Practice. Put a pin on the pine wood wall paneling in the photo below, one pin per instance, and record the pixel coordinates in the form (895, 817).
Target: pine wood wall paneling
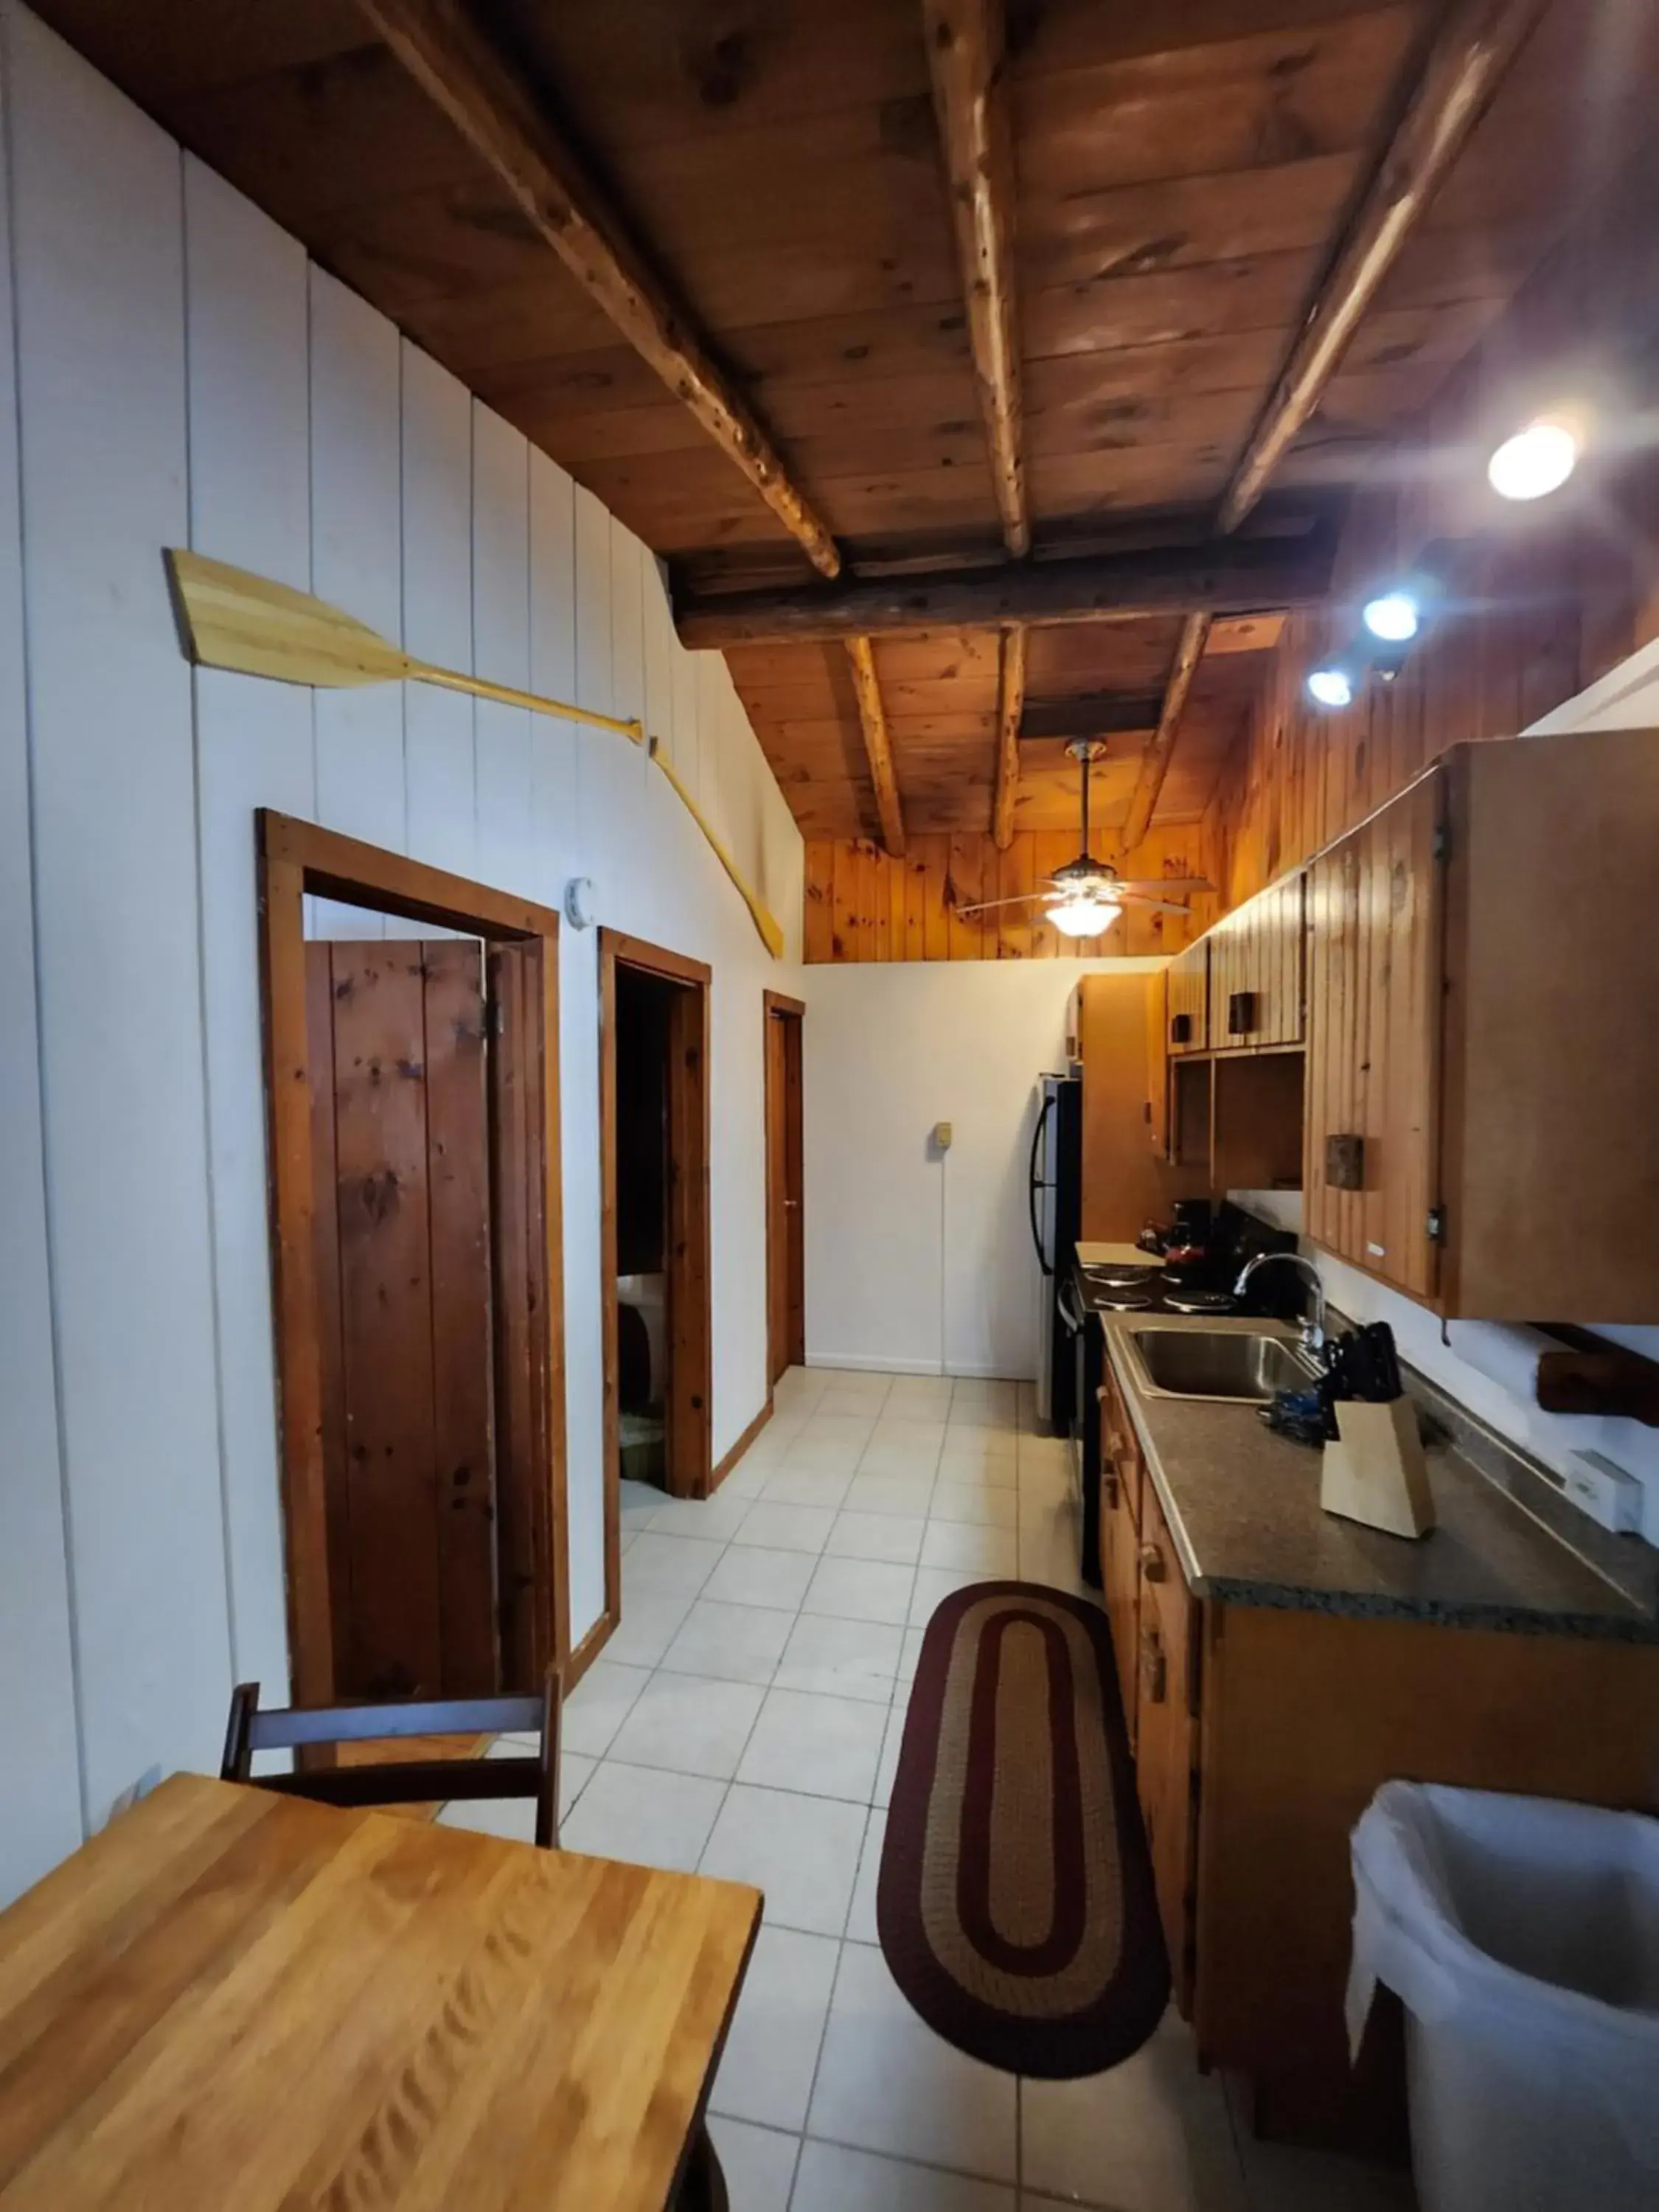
(863, 905)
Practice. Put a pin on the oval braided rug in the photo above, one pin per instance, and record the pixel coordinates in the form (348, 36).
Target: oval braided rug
(1015, 1904)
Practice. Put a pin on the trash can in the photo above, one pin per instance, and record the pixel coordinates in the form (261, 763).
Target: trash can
(1522, 1936)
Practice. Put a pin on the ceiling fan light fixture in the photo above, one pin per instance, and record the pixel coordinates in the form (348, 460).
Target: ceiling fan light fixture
(1084, 917)
(1332, 687)
(1537, 460)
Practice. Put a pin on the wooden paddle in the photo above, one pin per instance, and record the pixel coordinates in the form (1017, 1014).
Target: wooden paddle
(765, 919)
(231, 618)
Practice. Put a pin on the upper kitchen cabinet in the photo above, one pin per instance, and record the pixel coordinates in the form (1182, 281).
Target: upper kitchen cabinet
(1374, 933)
(1255, 983)
(1483, 1059)
(1187, 998)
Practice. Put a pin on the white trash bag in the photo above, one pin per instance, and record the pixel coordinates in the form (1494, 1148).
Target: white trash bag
(1522, 1935)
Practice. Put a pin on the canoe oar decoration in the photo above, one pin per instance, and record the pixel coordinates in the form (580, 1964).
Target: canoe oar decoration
(230, 618)
(765, 919)
(233, 619)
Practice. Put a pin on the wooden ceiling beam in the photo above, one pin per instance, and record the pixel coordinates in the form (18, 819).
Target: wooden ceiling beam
(965, 56)
(877, 744)
(1091, 714)
(1461, 69)
(497, 112)
(1235, 575)
(1010, 707)
(1155, 761)
(1458, 72)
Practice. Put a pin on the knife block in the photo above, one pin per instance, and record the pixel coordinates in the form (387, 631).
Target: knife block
(1375, 1471)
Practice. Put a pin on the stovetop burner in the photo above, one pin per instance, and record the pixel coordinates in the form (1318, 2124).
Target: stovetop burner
(1152, 1289)
(1185, 1299)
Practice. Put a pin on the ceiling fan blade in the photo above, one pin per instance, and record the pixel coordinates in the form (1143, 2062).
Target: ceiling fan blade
(1157, 905)
(1165, 884)
(986, 906)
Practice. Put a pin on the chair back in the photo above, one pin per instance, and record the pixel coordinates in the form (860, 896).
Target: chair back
(404, 1782)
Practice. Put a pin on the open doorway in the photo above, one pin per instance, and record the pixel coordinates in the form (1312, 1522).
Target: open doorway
(414, 1117)
(655, 1138)
(786, 1221)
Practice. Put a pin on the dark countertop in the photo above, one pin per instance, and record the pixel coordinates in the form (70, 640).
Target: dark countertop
(1242, 1506)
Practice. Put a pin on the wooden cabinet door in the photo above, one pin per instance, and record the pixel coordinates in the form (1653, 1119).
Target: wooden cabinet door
(1187, 990)
(1375, 970)
(1256, 972)
(1120, 1541)
(1157, 1068)
(1166, 1742)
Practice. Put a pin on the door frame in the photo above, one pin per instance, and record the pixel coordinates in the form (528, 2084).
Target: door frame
(690, 1282)
(776, 1005)
(297, 858)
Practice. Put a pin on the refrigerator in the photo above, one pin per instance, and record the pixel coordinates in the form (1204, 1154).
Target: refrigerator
(1056, 1198)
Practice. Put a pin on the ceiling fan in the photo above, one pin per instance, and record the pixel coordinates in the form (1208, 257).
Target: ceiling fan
(1087, 895)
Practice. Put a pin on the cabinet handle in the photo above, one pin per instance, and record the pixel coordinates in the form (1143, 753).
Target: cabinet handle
(1241, 1013)
(1345, 1162)
(1108, 1485)
(1180, 1029)
(1151, 1563)
(1154, 1669)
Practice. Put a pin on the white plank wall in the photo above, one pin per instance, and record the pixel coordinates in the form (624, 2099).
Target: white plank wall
(98, 247)
(37, 1738)
(184, 376)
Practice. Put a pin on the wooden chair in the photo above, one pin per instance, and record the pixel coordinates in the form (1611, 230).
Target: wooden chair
(406, 1781)
(419, 1782)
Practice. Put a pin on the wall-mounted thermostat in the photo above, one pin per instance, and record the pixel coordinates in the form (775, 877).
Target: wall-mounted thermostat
(942, 1133)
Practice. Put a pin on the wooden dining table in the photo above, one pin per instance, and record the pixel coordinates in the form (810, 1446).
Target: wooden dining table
(231, 2002)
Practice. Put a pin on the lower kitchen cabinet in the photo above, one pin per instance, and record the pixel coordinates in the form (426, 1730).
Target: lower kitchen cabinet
(1166, 1745)
(1120, 1544)
(1261, 1733)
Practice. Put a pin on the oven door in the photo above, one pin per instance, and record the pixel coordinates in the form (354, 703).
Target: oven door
(1068, 1306)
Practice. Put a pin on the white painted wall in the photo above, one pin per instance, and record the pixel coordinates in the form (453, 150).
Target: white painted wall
(916, 1261)
(184, 376)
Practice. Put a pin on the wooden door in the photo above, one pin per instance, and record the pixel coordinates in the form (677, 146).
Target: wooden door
(1375, 963)
(402, 1223)
(786, 1237)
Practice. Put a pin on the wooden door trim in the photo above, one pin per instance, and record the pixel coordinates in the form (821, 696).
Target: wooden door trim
(690, 1442)
(773, 1003)
(295, 859)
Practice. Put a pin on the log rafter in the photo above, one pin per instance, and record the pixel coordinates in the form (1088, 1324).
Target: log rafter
(1456, 74)
(497, 113)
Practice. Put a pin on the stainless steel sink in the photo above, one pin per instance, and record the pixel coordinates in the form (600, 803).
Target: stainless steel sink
(1196, 1363)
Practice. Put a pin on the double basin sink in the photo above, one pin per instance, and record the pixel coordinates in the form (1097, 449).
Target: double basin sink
(1217, 1363)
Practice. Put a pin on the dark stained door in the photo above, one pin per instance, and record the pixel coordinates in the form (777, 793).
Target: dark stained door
(786, 1254)
(402, 1215)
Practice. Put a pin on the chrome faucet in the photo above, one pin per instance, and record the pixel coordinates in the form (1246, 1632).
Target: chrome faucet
(1313, 1329)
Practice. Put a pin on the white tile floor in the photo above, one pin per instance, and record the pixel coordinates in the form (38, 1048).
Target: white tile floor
(744, 1720)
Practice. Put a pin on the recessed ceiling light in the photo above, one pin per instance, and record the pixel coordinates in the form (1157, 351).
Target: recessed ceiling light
(1394, 617)
(1537, 461)
(1331, 687)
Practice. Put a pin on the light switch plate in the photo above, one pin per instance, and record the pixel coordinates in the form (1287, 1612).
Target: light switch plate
(942, 1135)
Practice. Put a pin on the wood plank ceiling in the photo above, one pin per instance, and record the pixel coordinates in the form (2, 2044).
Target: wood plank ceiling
(1180, 178)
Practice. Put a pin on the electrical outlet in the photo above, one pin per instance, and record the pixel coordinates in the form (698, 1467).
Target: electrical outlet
(942, 1135)
(1605, 1492)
